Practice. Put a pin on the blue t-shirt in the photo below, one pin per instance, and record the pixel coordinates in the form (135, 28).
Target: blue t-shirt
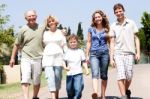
(98, 40)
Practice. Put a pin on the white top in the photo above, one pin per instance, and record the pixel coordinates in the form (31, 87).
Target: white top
(74, 58)
(124, 36)
(54, 42)
(53, 52)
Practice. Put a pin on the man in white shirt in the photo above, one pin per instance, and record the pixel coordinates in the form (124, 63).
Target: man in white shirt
(125, 49)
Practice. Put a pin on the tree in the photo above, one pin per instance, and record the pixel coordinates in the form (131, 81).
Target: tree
(145, 21)
(60, 26)
(6, 36)
(80, 31)
(80, 36)
(69, 31)
(142, 38)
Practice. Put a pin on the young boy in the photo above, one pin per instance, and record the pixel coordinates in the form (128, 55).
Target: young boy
(74, 58)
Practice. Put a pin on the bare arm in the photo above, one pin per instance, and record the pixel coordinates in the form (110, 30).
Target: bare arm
(14, 52)
(112, 47)
(137, 44)
(86, 68)
(88, 46)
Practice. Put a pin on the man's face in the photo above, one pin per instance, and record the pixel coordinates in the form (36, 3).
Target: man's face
(31, 17)
(119, 13)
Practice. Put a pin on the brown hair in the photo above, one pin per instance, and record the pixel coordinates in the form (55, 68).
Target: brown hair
(105, 22)
(72, 36)
(118, 5)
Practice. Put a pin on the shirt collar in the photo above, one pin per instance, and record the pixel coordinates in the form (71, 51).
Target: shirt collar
(126, 21)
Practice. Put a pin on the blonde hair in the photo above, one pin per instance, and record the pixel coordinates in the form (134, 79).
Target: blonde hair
(50, 17)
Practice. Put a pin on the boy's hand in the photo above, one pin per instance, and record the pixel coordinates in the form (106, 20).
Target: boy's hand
(67, 68)
(87, 72)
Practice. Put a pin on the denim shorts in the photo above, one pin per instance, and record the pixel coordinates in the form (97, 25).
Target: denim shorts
(53, 76)
(99, 61)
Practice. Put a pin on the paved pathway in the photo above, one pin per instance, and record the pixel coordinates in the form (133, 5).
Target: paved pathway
(140, 86)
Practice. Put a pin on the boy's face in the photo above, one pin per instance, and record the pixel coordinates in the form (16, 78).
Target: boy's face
(119, 13)
(73, 43)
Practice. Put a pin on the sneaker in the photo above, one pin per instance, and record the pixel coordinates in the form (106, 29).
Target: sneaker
(94, 96)
(124, 97)
(35, 98)
(128, 93)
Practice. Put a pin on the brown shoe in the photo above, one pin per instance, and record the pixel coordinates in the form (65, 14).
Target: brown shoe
(94, 96)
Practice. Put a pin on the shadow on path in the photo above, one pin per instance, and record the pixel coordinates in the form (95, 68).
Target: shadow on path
(116, 97)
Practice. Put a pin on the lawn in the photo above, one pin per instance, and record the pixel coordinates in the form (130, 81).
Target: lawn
(16, 87)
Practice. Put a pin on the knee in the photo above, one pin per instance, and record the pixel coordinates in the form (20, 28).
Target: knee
(104, 77)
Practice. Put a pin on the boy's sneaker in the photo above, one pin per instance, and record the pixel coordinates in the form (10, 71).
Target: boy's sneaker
(124, 97)
(128, 93)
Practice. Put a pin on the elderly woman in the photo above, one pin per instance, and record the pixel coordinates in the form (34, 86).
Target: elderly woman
(54, 42)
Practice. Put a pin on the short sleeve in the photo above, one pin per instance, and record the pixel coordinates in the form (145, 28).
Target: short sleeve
(135, 28)
(82, 55)
(112, 32)
(19, 39)
(90, 29)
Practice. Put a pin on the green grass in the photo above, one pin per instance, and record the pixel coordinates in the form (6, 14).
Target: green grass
(8, 89)
(16, 87)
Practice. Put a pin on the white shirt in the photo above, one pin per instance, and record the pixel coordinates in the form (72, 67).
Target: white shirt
(54, 42)
(74, 58)
(124, 36)
(53, 51)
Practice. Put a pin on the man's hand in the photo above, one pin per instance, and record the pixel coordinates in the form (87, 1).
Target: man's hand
(12, 63)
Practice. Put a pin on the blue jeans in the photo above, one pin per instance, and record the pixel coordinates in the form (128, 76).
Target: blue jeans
(74, 86)
(99, 61)
(53, 75)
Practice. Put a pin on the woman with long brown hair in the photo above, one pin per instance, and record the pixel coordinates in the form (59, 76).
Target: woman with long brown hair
(97, 51)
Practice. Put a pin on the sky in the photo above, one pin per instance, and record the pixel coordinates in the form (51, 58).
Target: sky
(71, 12)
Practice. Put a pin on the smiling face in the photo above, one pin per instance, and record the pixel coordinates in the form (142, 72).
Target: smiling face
(119, 13)
(97, 18)
(31, 17)
(52, 22)
(73, 43)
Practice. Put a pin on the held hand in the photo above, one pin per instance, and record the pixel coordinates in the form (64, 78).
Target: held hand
(12, 62)
(112, 63)
(87, 60)
(67, 68)
(87, 72)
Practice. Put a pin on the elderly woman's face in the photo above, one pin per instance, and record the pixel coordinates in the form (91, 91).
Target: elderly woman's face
(52, 23)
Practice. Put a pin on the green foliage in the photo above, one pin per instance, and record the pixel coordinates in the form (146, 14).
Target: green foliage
(69, 31)
(145, 21)
(80, 31)
(80, 36)
(6, 35)
(142, 38)
(60, 27)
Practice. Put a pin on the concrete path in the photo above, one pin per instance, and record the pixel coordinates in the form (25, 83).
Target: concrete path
(140, 86)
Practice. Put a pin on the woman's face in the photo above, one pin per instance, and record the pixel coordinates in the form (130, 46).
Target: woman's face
(52, 23)
(98, 18)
